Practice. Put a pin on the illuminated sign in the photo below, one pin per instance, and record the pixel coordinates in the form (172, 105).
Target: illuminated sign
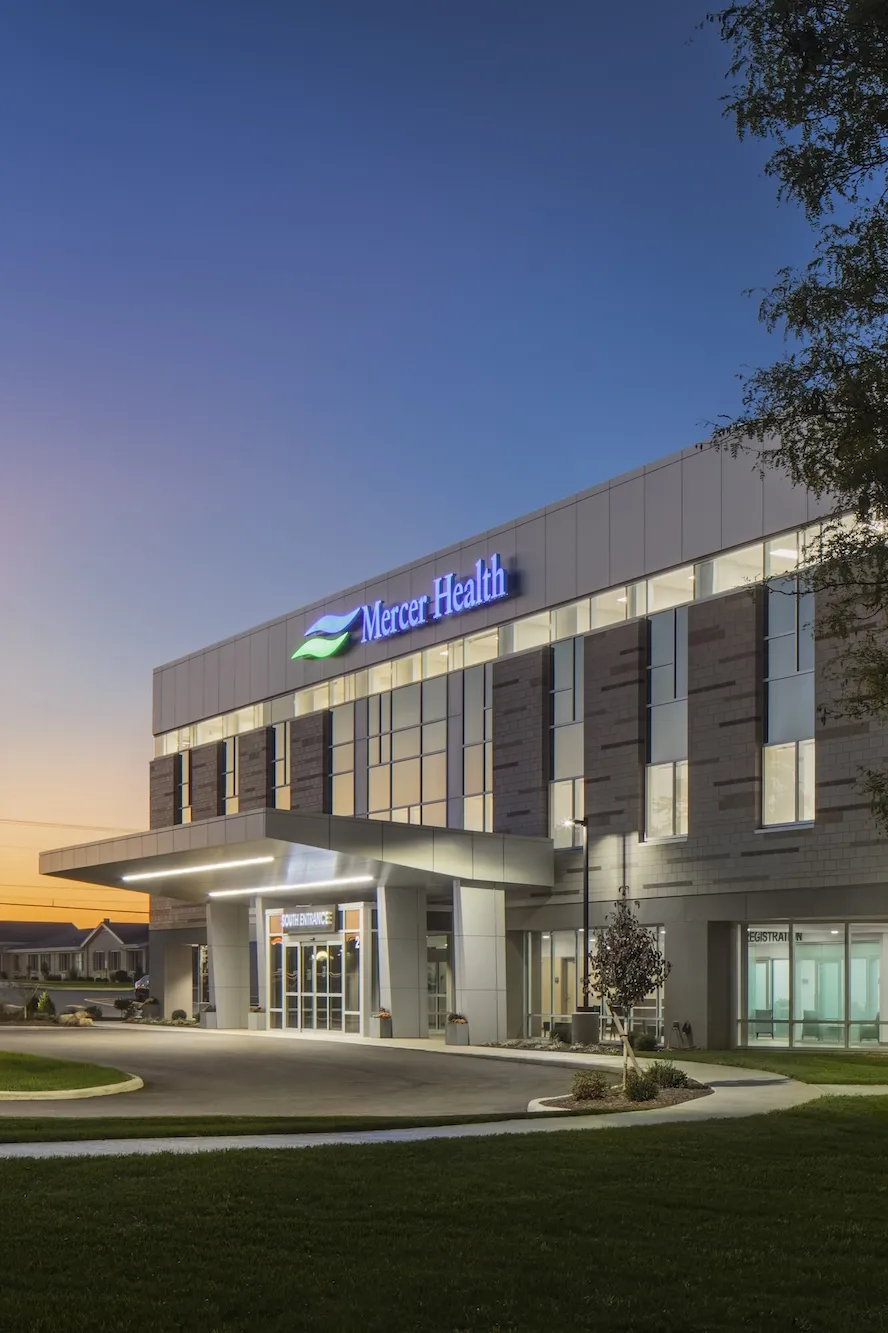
(310, 918)
(450, 596)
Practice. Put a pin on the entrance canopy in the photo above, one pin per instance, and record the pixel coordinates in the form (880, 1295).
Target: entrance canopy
(327, 856)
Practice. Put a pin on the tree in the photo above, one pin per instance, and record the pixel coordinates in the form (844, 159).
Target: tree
(811, 77)
(625, 965)
(20, 998)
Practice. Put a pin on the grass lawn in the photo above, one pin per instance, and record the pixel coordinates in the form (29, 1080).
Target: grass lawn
(35, 1073)
(769, 1224)
(806, 1066)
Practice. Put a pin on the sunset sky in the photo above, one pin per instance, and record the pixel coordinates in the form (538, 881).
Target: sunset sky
(294, 293)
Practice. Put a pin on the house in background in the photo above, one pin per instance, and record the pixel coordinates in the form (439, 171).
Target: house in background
(60, 950)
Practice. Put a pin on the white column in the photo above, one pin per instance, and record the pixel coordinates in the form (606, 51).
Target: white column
(367, 946)
(261, 953)
(479, 960)
(403, 951)
(228, 940)
(178, 960)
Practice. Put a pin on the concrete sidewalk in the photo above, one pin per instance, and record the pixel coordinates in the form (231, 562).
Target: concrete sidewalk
(757, 1093)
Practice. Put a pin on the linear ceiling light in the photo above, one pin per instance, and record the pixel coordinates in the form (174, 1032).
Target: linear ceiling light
(197, 870)
(288, 888)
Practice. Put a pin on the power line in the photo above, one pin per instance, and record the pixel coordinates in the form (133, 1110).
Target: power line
(70, 907)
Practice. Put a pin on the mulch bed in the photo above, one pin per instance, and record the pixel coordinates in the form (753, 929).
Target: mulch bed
(615, 1101)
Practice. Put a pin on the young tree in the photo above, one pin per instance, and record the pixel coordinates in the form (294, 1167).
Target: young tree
(624, 966)
(811, 77)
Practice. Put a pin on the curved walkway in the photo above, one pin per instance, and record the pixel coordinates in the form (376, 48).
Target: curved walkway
(736, 1093)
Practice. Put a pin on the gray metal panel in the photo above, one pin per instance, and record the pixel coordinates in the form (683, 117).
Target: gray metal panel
(593, 542)
(180, 688)
(531, 544)
(242, 671)
(277, 658)
(561, 554)
(211, 681)
(741, 500)
(157, 702)
(785, 505)
(196, 704)
(226, 676)
(259, 674)
(627, 531)
(701, 521)
(662, 517)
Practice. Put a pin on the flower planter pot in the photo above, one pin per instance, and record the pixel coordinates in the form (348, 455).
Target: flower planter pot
(207, 1019)
(456, 1034)
(380, 1027)
(256, 1022)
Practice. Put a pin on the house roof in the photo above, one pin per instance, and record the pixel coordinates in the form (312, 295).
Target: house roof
(40, 935)
(131, 934)
(64, 935)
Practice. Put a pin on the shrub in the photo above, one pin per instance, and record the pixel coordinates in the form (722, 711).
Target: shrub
(125, 1004)
(640, 1087)
(93, 1011)
(45, 1006)
(666, 1074)
(53, 976)
(3, 976)
(590, 1085)
(121, 977)
(179, 1016)
(642, 1041)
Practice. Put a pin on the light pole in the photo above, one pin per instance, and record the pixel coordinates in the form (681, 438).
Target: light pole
(586, 1026)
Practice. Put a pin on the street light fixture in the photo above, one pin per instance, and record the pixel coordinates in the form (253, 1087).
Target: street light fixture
(584, 1005)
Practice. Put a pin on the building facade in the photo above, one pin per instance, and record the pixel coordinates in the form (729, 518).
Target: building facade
(61, 951)
(384, 790)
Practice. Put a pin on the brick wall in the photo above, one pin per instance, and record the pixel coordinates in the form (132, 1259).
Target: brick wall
(254, 769)
(521, 703)
(206, 782)
(163, 786)
(614, 701)
(725, 707)
(310, 764)
(170, 913)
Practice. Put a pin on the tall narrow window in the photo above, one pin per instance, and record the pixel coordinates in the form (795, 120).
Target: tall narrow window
(566, 777)
(342, 759)
(788, 755)
(231, 801)
(666, 778)
(184, 794)
(478, 748)
(280, 765)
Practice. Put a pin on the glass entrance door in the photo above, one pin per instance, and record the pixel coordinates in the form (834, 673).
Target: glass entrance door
(314, 986)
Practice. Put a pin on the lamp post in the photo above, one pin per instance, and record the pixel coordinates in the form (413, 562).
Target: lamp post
(586, 1025)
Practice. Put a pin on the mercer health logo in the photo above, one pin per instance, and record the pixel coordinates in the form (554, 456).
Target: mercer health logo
(328, 636)
(450, 596)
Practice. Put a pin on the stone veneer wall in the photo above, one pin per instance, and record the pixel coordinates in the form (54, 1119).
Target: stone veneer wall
(310, 764)
(254, 770)
(163, 788)
(206, 782)
(521, 731)
(614, 678)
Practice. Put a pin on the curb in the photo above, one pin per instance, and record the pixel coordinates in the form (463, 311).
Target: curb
(132, 1083)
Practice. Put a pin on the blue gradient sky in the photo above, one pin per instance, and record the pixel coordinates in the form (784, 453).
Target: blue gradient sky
(295, 292)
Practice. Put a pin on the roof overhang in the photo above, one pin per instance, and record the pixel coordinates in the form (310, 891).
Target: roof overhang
(299, 852)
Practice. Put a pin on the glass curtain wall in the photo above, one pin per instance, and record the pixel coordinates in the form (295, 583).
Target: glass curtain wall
(788, 754)
(566, 800)
(814, 984)
(666, 779)
(553, 971)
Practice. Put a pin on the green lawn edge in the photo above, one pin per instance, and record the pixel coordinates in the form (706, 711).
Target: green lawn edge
(22, 1072)
(820, 1067)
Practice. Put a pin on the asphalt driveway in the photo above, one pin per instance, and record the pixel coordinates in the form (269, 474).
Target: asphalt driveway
(189, 1071)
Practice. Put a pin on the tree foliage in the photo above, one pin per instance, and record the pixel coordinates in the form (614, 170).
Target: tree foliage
(625, 964)
(811, 78)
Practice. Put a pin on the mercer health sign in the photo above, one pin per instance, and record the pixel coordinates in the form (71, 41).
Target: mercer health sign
(450, 596)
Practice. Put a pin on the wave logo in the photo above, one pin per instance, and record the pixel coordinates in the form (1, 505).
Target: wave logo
(327, 636)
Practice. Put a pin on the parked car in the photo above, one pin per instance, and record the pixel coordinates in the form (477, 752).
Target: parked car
(143, 988)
